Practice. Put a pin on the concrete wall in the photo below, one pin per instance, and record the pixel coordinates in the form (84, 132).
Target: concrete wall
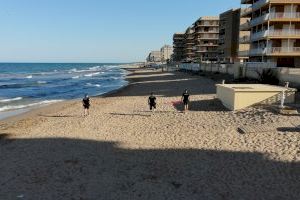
(291, 75)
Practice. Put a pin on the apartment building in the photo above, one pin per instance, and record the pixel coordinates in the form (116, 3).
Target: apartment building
(166, 52)
(275, 31)
(178, 47)
(189, 44)
(206, 38)
(154, 56)
(229, 37)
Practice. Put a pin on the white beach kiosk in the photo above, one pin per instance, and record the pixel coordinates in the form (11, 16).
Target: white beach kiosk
(240, 96)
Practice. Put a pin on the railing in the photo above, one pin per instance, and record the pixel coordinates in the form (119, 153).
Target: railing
(284, 32)
(246, 11)
(259, 35)
(259, 20)
(282, 15)
(274, 33)
(259, 4)
(208, 24)
(207, 37)
(276, 50)
(243, 53)
(258, 51)
(245, 26)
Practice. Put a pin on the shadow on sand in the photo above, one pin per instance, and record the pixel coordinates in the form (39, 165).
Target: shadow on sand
(62, 116)
(167, 84)
(82, 169)
(129, 114)
(204, 105)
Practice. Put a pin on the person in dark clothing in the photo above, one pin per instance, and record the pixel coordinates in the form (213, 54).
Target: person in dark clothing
(185, 99)
(86, 104)
(152, 102)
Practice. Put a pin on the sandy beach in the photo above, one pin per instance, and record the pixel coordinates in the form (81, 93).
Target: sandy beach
(123, 151)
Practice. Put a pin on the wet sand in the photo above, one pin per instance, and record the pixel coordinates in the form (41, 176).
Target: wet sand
(123, 151)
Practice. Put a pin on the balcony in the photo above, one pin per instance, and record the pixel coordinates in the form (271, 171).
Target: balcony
(280, 33)
(257, 52)
(245, 26)
(259, 35)
(210, 31)
(257, 5)
(243, 53)
(259, 20)
(275, 51)
(208, 24)
(284, 15)
(246, 11)
(207, 45)
(283, 51)
(285, 33)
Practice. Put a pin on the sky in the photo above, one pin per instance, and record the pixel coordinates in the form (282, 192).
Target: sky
(95, 30)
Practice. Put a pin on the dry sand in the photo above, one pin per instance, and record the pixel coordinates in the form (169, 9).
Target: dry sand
(122, 151)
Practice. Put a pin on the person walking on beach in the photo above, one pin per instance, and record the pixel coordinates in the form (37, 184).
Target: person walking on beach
(86, 104)
(152, 102)
(185, 100)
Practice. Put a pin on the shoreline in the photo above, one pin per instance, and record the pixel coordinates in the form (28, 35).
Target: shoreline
(20, 114)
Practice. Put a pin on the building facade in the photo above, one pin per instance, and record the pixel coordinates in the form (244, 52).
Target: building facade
(206, 38)
(189, 44)
(154, 56)
(229, 37)
(166, 53)
(275, 31)
(178, 46)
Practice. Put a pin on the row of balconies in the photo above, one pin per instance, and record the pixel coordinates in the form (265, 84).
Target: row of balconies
(208, 24)
(271, 51)
(207, 44)
(257, 5)
(207, 37)
(270, 16)
(280, 33)
(210, 31)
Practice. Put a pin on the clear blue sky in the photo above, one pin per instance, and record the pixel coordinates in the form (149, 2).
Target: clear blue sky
(95, 30)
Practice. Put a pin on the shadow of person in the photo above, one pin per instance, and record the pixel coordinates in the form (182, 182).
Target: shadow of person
(63, 168)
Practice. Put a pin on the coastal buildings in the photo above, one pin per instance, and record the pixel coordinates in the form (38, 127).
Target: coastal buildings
(164, 55)
(166, 52)
(275, 31)
(206, 38)
(154, 56)
(178, 47)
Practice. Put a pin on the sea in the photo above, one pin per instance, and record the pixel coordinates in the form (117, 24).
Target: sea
(27, 85)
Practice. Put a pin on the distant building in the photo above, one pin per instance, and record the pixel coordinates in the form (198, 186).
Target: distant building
(154, 56)
(166, 52)
(206, 38)
(275, 31)
(189, 44)
(178, 45)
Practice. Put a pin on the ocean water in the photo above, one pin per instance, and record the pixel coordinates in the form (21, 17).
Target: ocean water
(26, 85)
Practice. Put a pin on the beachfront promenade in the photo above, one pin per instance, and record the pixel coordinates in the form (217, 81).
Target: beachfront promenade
(123, 151)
